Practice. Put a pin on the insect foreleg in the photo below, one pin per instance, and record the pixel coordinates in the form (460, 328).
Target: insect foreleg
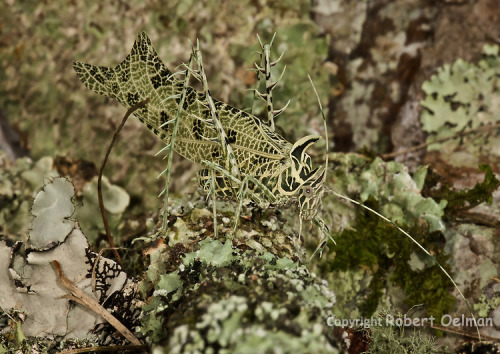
(241, 195)
(227, 152)
(212, 190)
(172, 143)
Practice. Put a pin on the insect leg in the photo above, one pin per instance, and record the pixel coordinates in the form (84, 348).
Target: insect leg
(212, 190)
(241, 195)
(266, 191)
(270, 85)
(172, 143)
(227, 152)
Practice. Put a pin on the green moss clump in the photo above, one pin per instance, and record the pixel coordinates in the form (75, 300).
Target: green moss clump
(386, 254)
(462, 200)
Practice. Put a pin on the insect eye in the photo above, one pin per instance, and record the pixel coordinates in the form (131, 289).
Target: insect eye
(307, 191)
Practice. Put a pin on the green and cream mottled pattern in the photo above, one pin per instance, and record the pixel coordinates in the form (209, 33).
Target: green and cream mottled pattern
(282, 167)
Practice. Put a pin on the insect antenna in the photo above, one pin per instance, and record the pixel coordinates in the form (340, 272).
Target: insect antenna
(317, 220)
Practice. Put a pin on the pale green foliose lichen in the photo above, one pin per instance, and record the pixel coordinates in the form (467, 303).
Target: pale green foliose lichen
(460, 97)
(115, 199)
(52, 209)
(486, 305)
(387, 183)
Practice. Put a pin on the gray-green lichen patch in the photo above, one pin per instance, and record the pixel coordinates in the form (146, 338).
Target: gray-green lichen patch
(52, 209)
(221, 297)
(115, 199)
(388, 184)
(486, 305)
(29, 283)
(462, 97)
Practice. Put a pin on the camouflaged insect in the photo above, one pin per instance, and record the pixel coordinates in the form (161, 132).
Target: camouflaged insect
(284, 168)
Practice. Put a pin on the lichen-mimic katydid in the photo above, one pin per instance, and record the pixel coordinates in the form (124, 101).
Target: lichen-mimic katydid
(281, 173)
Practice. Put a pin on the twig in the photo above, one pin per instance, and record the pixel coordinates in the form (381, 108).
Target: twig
(493, 278)
(170, 146)
(455, 136)
(103, 349)
(101, 170)
(78, 295)
(461, 332)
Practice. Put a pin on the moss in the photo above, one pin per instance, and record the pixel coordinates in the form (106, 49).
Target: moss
(385, 253)
(462, 200)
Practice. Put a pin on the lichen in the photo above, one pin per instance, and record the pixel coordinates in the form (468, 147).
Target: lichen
(370, 45)
(221, 297)
(486, 305)
(461, 97)
(391, 338)
(30, 283)
(115, 199)
(18, 181)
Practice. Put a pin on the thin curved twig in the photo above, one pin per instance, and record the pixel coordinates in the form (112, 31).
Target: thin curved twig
(101, 170)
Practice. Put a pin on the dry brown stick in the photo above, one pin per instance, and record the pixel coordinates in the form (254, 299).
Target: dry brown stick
(463, 333)
(424, 145)
(459, 332)
(110, 348)
(78, 295)
(101, 170)
(493, 278)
